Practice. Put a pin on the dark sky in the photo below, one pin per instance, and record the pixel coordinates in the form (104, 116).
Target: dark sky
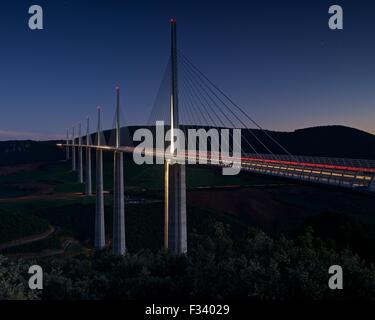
(277, 59)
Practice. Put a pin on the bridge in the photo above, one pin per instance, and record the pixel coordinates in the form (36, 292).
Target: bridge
(194, 101)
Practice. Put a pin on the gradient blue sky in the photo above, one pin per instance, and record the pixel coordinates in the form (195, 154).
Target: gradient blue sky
(277, 59)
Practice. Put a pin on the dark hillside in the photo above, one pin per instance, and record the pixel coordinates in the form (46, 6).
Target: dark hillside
(17, 152)
(330, 141)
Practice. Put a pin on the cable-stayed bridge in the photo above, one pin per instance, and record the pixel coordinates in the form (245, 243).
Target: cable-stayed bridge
(188, 100)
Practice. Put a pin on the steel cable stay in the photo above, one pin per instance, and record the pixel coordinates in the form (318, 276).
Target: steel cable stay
(206, 80)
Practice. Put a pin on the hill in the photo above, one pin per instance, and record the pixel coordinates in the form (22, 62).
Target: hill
(324, 141)
(330, 141)
(27, 151)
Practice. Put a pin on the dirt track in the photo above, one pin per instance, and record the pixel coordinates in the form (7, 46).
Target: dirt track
(30, 239)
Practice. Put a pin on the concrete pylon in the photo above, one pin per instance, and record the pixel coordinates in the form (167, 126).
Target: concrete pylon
(88, 187)
(99, 208)
(175, 234)
(118, 243)
(80, 160)
(67, 145)
(74, 163)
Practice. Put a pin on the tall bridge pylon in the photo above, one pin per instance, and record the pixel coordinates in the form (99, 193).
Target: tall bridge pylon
(118, 242)
(88, 186)
(99, 240)
(175, 234)
(74, 168)
(67, 143)
(80, 159)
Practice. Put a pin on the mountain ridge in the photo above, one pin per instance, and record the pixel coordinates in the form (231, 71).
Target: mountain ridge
(324, 141)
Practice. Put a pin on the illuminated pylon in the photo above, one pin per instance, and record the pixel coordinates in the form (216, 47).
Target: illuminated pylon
(99, 208)
(118, 241)
(175, 238)
(88, 187)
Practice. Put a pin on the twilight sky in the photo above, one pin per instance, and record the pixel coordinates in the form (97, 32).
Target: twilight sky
(277, 59)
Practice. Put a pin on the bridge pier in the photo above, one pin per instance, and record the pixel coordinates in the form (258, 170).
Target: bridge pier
(88, 186)
(67, 145)
(118, 243)
(74, 163)
(99, 207)
(80, 160)
(175, 235)
(118, 206)
(88, 183)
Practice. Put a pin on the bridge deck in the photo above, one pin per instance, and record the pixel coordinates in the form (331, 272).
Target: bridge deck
(350, 173)
(312, 172)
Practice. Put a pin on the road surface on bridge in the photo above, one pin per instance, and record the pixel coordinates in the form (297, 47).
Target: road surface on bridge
(351, 173)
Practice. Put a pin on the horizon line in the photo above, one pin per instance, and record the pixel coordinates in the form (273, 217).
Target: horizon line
(11, 135)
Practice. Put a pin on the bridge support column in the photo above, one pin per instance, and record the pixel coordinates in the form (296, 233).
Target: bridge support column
(175, 233)
(118, 206)
(118, 244)
(80, 160)
(67, 145)
(88, 183)
(80, 169)
(88, 186)
(74, 163)
(99, 209)
(74, 167)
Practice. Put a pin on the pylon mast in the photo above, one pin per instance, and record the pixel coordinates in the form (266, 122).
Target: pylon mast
(74, 163)
(174, 117)
(88, 132)
(88, 186)
(99, 129)
(80, 159)
(67, 145)
(99, 204)
(174, 173)
(118, 117)
(118, 241)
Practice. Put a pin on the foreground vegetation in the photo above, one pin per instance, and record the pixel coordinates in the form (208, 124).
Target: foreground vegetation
(255, 267)
(17, 225)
